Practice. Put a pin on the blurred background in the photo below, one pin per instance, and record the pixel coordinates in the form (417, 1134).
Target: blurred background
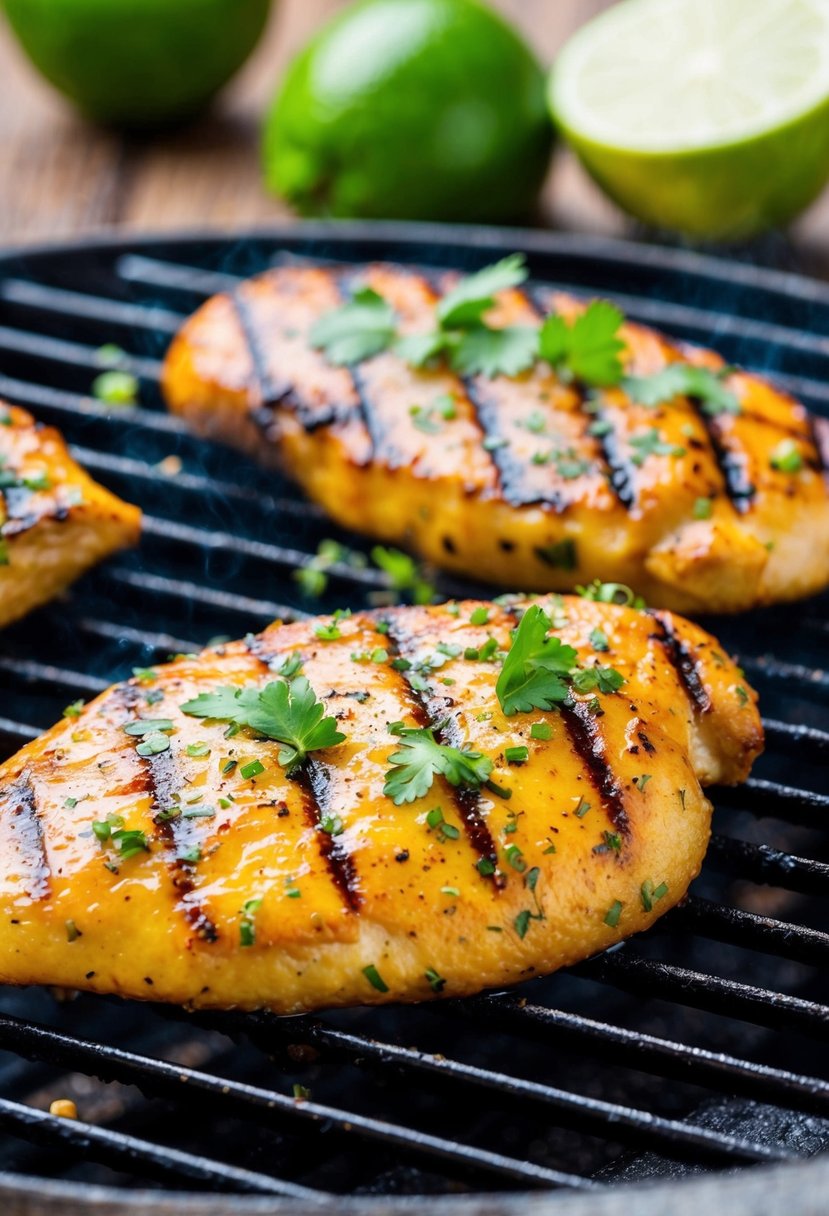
(62, 175)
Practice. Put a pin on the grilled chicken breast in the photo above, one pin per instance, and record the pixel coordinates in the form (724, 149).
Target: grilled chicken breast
(703, 519)
(55, 521)
(197, 870)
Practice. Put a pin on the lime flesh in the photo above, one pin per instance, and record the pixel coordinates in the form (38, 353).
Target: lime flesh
(138, 62)
(419, 109)
(708, 117)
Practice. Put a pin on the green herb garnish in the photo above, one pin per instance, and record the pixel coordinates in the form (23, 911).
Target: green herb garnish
(588, 347)
(421, 758)
(363, 327)
(684, 380)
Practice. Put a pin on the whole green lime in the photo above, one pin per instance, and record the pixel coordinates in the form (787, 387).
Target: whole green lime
(412, 109)
(138, 62)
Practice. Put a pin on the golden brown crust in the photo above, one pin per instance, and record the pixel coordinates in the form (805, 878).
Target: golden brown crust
(610, 804)
(476, 494)
(55, 521)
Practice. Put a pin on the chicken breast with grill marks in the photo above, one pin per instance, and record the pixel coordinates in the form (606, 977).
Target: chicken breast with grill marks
(525, 481)
(55, 521)
(152, 851)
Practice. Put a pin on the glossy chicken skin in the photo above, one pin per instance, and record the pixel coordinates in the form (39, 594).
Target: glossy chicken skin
(610, 804)
(475, 493)
(55, 521)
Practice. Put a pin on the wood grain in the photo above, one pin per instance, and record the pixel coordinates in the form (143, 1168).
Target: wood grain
(61, 177)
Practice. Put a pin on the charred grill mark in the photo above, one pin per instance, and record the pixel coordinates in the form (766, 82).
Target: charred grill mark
(683, 662)
(28, 830)
(314, 781)
(510, 472)
(268, 393)
(621, 472)
(158, 777)
(467, 800)
(589, 744)
(739, 489)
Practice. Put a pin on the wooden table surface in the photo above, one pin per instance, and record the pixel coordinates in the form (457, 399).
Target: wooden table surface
(60, 177)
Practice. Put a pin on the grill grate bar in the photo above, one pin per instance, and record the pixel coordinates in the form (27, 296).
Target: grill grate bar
(627, 1124)
(152, 272)
(71, 406)
(58, 677)
(76, 354)
(770, 798)
(662, 1057)
(161, 643)
(91, 308)
(181, 589)
(770, 668)
(143, 1158)
(159, 1077)
(763, 864)
(665, 981)
(205, 487)
(725, 924)
(786, 734)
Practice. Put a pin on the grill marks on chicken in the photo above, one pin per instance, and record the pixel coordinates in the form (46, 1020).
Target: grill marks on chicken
(527, 481)
(55, 521)
(262, 889)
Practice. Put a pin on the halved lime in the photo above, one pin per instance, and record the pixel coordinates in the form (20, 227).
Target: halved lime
(709, 117)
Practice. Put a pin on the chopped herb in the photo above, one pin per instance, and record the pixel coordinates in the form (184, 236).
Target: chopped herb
(551, 848)
(327, 633)
(247, 925)
(453, 891)
(485, 866)
(198, 750)
(147, 726)
(606, 679)
(287, 666)
(650, 443)
(582, 807)
(300, 1092)
(703, 508)
(588, 347)
(153, 745)
(684, 380)
(516, 755)
(598, 640)
(404, 573)
(613, 913)
(562, 555)
(651, 894)
(500, 791)
(332, 825)
(153, 696)
(515, 858)
(436, 982)
(681, 794)
(479, 616)
(229, 766)
(375, 978)
(285, 710)
(445, 831)
(363, 327)
(742, 695)
(116, 388)
(252, 769)
(613, 841)
(193, 854)
(74, 710)
(71, 803)
(144, 675)
(421, 757)
(72, 931)
(786, 457)
(199, 812)
(611, 593)
(641, 782)
(311, 579)
(522, 923)
(541, 730)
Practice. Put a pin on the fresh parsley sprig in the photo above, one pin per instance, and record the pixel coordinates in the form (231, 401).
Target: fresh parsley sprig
(685, 380)
(421, 758)
(587, 348)
(539, 671)
(285, 710)
(537, 667)
(363, 327)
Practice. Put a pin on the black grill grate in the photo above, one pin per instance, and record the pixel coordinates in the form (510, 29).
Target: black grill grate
(608, 1070)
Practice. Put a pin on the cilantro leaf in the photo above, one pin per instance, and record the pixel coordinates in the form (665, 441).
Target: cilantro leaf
(421, 757)
(587, 348)
(285, 710)
(536, 668)
(363, 327)
(650, 443)
(495, 352)
(466, 303)
(420, 349)
(606, 679)
(404, 573)
(684, 380)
